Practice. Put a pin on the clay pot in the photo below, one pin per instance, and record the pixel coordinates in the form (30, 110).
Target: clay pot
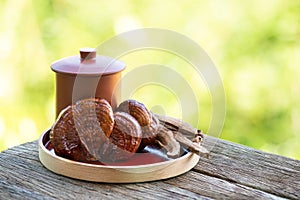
(87, 75)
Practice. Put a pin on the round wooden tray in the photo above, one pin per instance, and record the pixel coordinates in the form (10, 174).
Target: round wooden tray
(137, 170)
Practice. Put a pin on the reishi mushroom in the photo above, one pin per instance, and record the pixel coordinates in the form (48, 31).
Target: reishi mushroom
(91, 131)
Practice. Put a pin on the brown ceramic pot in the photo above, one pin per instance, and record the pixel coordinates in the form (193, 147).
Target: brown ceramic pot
(86, 76)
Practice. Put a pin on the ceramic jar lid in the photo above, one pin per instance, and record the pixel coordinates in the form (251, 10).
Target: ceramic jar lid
(88, 63)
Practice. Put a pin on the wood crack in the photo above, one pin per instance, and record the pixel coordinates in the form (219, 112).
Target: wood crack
(215, 175)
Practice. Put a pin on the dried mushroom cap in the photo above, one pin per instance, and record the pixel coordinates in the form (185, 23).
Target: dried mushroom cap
(95, 110)
(82, 130)
(137, 110)
(65, 140)
(94, 123)
(148, 121)
(125, 138)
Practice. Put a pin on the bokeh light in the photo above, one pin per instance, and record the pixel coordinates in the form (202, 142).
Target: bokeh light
(254, 44)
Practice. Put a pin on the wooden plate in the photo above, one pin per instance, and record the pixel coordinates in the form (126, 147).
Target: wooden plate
(143, 167)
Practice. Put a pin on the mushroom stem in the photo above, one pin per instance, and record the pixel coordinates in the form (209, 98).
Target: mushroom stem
(183, 133)
(165, 138)
(192, 146)
(174, 124)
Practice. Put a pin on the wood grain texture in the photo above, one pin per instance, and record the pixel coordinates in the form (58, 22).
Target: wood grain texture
(252, 168)
(232, 172)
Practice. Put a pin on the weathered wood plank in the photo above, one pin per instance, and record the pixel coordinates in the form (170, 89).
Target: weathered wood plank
(236, 163)
(252, 168)
(23, 177)
(216, 188)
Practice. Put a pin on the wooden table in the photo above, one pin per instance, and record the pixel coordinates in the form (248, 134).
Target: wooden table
(232, 172)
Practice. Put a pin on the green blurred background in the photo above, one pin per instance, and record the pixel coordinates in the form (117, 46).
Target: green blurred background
(254, 44)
